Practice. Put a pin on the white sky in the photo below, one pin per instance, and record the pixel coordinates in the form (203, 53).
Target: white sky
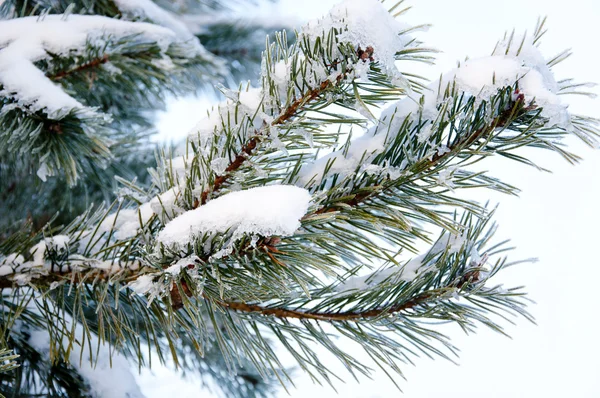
(556, 218)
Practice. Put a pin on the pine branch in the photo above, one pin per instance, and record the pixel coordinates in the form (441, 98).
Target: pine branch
(76, 278)
(89, 65)
(176, 268)
(247, 150)
(7, 360)
(471, 277)
(237, 162)
(501, 121)
(464, 143)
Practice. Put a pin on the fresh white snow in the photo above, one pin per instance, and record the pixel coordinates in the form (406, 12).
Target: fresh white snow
(126, 222)
(365, 23)
(240, 107)
(143, 284)
(264, 211)
(22, 272)
(480, 78)
(412, 269)
(483, 77)
(146, 284)
(361, 151)
(24, 41)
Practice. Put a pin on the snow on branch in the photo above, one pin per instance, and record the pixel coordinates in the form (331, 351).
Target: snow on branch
(53, 257)
(330, 56)
(449, 243)
(520, 67)
(126, 223)
(25, 41)
(340, 48)
(262, 211)
(200, 240)
(370, 28)
(274, 210)
(242, 108)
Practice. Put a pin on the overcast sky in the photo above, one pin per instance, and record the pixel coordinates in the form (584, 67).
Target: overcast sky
(556, 218)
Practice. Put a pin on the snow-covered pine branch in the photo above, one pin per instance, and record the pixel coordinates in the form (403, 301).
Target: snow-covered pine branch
(53, 69)
(516, 65)
(120, 80)
(273, 213)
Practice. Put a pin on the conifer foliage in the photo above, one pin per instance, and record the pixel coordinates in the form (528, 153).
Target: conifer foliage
(321, 200)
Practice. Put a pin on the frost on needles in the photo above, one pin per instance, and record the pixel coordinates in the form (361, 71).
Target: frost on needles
(324, 197)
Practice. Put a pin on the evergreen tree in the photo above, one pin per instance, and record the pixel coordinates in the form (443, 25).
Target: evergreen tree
(321, 199)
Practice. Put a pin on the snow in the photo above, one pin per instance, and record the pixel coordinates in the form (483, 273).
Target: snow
(240, 107)
(126, 222)
(10, 263)
(448, 242)
(362, 150)
(107, 372)
(149, 10)
(22, 272)
(537, 84)
(483, 77)
(365, 23)
(43, 172)
(24, 41)
(480, 78)
(166, 205)
(176, 268)
(251, 98)
(280, 77)
(57, 243)
(219, 165)
(179, 166)
(446, 175)
(442, 150)
(530, 56)
(265, 211)
(146, 283)
(354, 20)
(143, 284)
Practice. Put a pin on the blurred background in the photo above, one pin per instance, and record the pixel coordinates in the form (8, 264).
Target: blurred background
(555, 219)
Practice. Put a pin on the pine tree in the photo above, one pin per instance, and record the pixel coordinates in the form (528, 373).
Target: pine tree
(322, 199)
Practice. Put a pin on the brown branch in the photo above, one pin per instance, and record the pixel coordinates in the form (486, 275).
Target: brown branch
(248, 148)
(289, 112)
(499, 122)
(72, 276)
(352, 316)
(233, 166)
(469, 277)
(92, 64)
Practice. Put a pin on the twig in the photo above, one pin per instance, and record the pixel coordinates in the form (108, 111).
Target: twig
(470, 277)
(499, 122)
(92, 64)
(253, 142)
